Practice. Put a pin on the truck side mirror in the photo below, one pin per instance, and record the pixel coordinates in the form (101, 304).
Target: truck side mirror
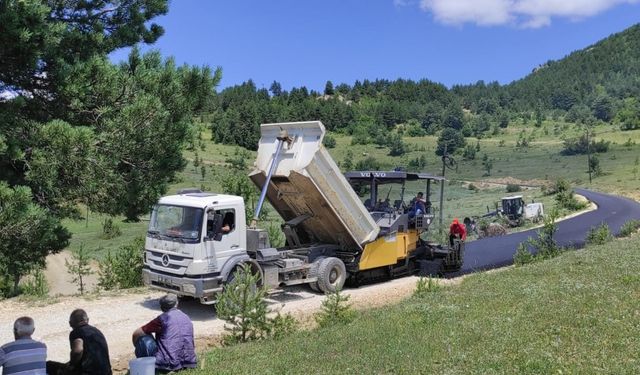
(214, 226)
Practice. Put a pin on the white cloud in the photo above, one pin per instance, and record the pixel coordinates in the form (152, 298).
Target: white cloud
(7, 95)
(522, 13)
(482, 12)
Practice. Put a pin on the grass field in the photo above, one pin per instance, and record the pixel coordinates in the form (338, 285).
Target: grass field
(540, 161)
(575, 314)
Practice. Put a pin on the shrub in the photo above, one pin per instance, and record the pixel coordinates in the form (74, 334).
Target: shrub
(124, 268)
(425, 286)
(523, 255)
(128, 264)
(629, 228)
(368, 164)
(579, 146)
(360, 137)
(545, 244)
(558, 185)
(566, 200)
(469, 152)
(396, 145)
(329, 141)
(472, 187)
(347, 163)
(110, 229)
(107, 279)
(594, 166)
(483, 224)
(487, 163)
(35, 284)
(241, 305)
(512, 188)
(599, 235)
(335, 309)
(452, 138)
(418, 163)
(282, 325)
(238, 160)
(564, 196)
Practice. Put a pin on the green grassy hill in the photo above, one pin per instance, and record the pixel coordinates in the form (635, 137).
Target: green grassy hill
(611, 65)
(576, 314)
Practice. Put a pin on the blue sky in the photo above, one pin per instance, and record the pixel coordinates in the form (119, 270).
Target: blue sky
(297, 42)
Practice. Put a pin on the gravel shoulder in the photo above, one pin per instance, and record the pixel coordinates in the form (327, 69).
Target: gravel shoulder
(117, 316)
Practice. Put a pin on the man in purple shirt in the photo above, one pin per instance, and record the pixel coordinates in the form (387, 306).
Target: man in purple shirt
(173, 334)
(25, 355)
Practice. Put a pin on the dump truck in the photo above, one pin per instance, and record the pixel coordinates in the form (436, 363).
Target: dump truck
(196, 240)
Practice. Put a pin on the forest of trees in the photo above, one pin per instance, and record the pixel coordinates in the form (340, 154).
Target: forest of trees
(80, 130)
(599, 83)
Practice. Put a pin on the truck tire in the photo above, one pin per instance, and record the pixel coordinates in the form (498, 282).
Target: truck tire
(314, 286)
(331, 274)
(232, 276)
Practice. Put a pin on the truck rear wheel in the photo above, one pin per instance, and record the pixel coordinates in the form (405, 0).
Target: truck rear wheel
(331, 275)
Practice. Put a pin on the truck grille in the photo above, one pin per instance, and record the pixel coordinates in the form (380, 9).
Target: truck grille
(169, 262)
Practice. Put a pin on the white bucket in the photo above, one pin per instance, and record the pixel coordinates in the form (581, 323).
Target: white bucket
(142, 366)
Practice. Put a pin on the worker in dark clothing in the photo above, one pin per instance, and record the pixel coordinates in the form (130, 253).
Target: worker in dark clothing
(457, 230)
(227, 223)
(89, 351)
(417, 206)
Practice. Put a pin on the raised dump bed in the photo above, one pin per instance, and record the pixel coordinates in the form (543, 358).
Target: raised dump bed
(307, 181)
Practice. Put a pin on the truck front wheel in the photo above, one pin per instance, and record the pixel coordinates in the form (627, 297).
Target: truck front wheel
(331, 275)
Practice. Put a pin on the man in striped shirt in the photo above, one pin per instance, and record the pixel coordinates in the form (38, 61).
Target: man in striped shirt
(24, 356)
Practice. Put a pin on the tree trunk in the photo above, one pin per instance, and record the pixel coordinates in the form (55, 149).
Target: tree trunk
(131, 215)
(16, 281)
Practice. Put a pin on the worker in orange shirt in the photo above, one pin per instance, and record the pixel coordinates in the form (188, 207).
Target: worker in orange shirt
(457, 230)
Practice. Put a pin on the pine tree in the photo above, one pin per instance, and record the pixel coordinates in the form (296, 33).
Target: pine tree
(335, 309)
(242, 306)
(328, 88)
(79, 267)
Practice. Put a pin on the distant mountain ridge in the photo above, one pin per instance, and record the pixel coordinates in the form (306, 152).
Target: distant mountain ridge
(610, 66)
(598, 83)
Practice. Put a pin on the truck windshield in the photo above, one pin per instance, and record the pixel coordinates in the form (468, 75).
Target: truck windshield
(176, 222)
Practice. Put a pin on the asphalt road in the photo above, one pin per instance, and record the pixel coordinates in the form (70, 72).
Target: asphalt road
(494, 252)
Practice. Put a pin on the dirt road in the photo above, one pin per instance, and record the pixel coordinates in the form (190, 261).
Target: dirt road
(59, 279)
(118, 315)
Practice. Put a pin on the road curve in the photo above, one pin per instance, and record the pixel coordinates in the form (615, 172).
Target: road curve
(494, 252)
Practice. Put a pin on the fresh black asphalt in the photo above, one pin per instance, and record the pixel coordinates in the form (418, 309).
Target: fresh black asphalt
(494, 252)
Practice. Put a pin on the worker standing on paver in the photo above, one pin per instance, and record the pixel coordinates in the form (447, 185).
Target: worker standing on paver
(457, 230)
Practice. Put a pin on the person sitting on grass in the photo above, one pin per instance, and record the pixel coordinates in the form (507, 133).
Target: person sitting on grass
(173, 337)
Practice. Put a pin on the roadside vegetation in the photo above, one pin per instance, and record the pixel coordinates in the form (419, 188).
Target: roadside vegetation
(552, 316)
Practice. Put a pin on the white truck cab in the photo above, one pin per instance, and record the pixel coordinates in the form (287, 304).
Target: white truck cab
(193, 242)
